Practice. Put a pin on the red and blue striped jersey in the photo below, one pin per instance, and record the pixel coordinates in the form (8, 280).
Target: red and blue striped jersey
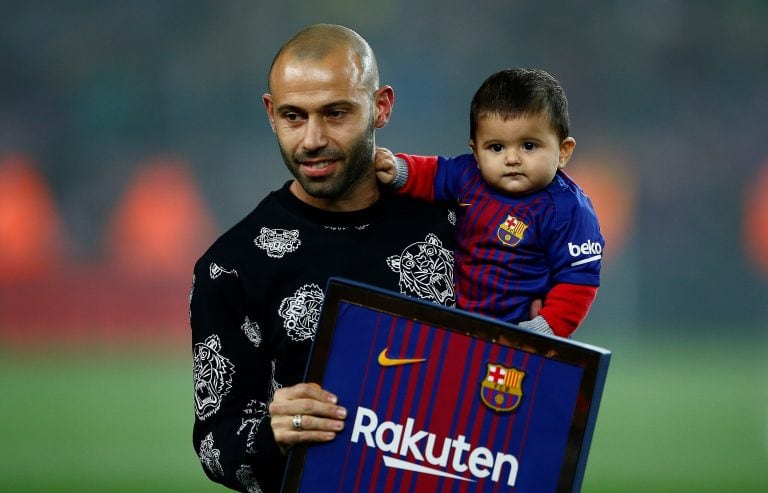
(416, 427)
(510, 250)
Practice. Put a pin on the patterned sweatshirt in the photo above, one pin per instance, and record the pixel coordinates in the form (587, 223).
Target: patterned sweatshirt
(255, 303)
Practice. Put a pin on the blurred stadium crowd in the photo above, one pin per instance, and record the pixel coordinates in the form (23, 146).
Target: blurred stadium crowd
(131, 134)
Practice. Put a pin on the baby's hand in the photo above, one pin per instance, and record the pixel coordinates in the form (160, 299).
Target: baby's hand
(385, 165)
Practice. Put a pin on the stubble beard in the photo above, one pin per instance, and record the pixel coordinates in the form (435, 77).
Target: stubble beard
(354, 167)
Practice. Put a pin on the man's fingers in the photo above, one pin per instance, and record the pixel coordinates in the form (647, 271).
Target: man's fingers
(309, 407)
(305, 413)
(313, 429)
(287, 439)
(305, 390)
(313, 423)
(309, 401)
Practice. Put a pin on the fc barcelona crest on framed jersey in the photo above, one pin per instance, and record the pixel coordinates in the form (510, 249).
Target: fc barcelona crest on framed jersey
(502, 387)
(439, 399)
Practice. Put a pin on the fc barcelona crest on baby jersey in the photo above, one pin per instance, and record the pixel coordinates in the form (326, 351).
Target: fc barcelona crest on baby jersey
(511, 231)
(502, 387)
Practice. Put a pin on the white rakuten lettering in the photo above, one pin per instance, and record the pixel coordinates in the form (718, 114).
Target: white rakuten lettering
(587, 248)
(411, 440)
(402, 440)
(461, 446)
(397, 431)
(479, 459)
(441, 461)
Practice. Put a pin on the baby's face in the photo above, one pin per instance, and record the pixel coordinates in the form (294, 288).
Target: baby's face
(519, 156)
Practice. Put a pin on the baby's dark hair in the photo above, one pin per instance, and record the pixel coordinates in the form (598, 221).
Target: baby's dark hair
(517, 92)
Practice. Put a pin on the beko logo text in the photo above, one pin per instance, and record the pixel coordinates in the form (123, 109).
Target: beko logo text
(420, 445)
(587, 248)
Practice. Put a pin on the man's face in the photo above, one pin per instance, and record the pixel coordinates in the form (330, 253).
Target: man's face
(324, 118)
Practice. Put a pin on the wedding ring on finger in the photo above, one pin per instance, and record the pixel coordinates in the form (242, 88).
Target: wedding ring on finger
(297, 422)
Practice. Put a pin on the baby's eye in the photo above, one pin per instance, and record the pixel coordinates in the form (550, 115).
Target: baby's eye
(496, 147)
(529, 146)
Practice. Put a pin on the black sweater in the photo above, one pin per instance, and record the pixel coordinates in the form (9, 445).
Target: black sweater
(255, 303)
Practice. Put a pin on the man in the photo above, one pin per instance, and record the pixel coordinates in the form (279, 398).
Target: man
(257, 291)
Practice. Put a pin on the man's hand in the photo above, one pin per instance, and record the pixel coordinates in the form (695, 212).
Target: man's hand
(385, 165)
(305, 413)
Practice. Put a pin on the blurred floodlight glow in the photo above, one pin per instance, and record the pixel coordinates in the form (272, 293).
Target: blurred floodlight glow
(162, 224)
(755, 228)
(31, 241)
(611, 187)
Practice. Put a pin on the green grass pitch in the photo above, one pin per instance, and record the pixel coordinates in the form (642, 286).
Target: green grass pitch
(689, 417)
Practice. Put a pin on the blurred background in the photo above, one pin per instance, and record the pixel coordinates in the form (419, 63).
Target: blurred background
(133, 133)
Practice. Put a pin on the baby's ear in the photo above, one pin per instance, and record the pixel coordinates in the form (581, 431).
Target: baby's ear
(566, 151)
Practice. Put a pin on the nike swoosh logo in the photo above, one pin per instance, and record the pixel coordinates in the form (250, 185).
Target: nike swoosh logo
(464, 204)
(384, 360)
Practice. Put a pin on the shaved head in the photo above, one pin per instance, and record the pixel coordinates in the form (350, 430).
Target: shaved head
(316, 42)
(324, 104)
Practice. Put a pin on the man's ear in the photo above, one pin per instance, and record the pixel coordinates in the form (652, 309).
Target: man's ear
(384, 100)
(566, 150)
(267, 98)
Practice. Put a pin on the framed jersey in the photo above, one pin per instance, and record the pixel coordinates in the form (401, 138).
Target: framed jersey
(443, 400)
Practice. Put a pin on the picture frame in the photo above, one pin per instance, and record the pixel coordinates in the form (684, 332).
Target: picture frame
(440, 399)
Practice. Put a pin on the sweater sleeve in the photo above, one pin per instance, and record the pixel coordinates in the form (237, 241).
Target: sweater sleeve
(566, 306)
(231, 435)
